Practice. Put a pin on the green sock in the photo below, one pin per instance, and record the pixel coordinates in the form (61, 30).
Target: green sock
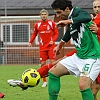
(53, 86)
(87, 94)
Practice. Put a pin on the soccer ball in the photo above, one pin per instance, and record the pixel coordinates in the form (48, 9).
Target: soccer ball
(31, 77)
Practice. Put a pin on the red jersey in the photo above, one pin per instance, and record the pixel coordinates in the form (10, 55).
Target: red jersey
(47, 32)
(97, 21)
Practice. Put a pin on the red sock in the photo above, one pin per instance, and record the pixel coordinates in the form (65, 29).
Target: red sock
(44, 79)
(43, 71)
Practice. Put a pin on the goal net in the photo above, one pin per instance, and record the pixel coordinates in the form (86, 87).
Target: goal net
(15, 34)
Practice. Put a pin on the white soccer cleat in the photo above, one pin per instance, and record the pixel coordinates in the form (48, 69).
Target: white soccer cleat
(44, 84)
(14, 83)
(19, 83)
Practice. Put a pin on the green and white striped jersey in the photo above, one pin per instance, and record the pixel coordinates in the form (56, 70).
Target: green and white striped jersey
(85, 41)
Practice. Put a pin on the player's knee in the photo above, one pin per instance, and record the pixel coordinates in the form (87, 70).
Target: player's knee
(81, 86)
(84, 82)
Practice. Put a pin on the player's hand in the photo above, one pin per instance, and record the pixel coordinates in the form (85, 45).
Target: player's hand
(56, 50)
(29, 44)
(92, 16)
(63, 23)
(60, 24)
(93, 27)
(51, 42)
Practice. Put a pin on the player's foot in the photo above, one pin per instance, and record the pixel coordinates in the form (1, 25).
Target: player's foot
(19, 83)
(44, 84)
(1, 95)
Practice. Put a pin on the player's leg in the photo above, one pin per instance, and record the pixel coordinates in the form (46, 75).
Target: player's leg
(73, 65)
(54, 80)
(43, 58)
(44, 78)
(84, 85)
(51, 56)
(13, 82)
(89, 73)
(43, 71)
(63, 67)
(96, 87)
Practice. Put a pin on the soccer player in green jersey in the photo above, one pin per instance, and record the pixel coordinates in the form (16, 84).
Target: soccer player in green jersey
(85, 62)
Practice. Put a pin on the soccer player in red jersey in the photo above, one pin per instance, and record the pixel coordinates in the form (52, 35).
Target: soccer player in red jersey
(96, 29)
(48, 33)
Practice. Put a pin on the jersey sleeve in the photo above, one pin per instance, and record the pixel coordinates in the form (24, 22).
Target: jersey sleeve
(56, 33)
(81, 16)
(34, 34)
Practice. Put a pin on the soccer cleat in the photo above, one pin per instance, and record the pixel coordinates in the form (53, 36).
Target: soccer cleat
(44, 84)
(1, 95)
(15, 83)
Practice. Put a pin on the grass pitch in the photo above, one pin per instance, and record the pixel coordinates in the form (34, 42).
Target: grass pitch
(69, 86)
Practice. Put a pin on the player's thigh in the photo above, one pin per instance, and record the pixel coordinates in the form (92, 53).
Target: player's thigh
(66, 66)
(51, 54)
(43, 56)
(59, 70)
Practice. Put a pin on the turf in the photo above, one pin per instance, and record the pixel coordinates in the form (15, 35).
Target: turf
(69, 86)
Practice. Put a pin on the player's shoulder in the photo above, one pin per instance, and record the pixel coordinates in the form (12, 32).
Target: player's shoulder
(38, 23)
(77, 10)
(98, 15)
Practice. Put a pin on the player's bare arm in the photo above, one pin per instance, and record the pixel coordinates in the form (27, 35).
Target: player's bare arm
(63, 23)
(58, 47)
(29, 44)
(51, 42)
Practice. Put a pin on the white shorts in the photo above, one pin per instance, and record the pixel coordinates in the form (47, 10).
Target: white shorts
(82, 67)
